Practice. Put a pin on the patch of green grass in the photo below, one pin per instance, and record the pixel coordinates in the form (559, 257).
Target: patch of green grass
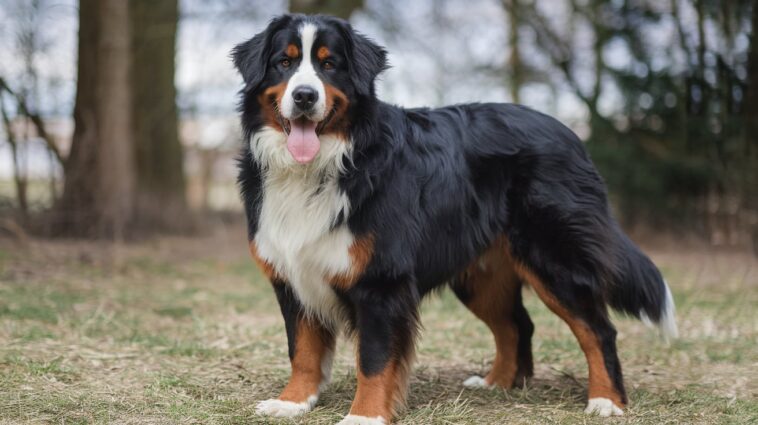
(29, 312)
(245, 268)
(163, 344)
(53, 368)
(37, 302)
(57, 407)
(184, 385)
(176, 312)
(734, 351)
(33, 333)
(152, 266)
(188, 349)
(5, 256)
(244, 302)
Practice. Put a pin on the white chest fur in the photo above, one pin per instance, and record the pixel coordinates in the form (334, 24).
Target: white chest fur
(295, 233)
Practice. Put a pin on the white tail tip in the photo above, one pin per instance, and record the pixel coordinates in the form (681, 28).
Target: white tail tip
(667, 322)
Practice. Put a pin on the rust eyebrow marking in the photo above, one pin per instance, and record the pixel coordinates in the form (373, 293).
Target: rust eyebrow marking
(323, 53)
(292, 51)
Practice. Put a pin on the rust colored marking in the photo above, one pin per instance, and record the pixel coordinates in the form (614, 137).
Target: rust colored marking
(264, 265)
(494, 286)
(382, 394)
(323, 53)
(600, 383)
(270, 100)
(312, 344)
(361, 252)
(292, 51)
(336, 101)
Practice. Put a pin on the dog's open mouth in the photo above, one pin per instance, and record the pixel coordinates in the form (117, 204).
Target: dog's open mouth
(320, 125)
(302, 136)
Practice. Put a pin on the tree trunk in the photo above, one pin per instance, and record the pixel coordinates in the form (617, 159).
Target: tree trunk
(161, 201)
(339, 8)
(751, 130)
(751, 98)
(98, 193)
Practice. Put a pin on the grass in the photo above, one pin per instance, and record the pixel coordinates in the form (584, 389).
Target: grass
(186, 331)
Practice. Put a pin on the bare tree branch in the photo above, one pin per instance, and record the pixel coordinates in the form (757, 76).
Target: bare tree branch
(36, 119)
(19, 180)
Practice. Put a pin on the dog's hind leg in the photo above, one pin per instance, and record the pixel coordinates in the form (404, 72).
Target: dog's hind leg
(587, 318)
(491, 289)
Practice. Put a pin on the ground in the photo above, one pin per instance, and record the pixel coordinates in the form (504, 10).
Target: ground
(186, 330)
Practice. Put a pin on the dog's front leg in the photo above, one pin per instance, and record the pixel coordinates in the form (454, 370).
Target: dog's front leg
(311, 349)
(386, 324)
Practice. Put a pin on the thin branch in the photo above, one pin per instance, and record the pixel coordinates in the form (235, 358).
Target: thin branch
(515, 62)
(19, 180)
(682, 33)
(557, 50)
(36, 119)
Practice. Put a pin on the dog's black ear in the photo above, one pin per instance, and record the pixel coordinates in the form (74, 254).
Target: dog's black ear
(251, 57)
(366, 59)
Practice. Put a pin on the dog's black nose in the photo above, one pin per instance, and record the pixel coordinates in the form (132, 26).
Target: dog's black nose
(305, 97)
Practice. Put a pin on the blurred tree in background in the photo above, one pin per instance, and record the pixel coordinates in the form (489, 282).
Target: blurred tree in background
(98, 195)
(750, 116)
(160, 188)
(125, 170)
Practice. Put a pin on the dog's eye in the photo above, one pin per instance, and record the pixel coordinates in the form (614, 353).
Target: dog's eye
(285, 63)
(327, 64)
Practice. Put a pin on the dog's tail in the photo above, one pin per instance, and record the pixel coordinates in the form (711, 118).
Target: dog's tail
(638, 288)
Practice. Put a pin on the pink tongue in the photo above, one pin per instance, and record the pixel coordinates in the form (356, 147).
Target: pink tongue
(302, 141)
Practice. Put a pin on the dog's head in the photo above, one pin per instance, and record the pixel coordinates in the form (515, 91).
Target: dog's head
(304, 75)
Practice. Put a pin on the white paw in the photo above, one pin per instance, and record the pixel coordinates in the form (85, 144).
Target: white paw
(361, 420)
(285, 409)
(476, 382)
(602, 407)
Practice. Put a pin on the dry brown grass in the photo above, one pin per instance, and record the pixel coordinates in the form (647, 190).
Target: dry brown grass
(182, 330)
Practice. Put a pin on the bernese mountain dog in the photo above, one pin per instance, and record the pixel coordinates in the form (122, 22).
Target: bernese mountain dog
(357, 209)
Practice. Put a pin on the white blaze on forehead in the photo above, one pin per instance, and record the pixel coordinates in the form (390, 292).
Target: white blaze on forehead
(305, 75)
